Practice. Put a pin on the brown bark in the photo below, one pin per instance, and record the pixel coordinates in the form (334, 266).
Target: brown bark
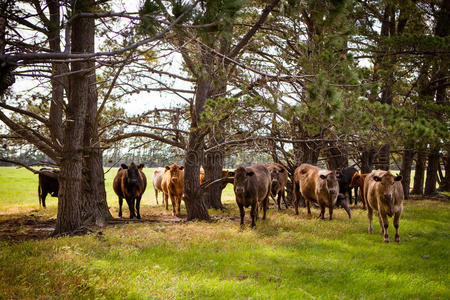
(367, 157)
(445, 183)
(70, 179)
(405, 171)
(432, 169)
(213, 165)
(382, 158)
(419, 175)
(336, 158)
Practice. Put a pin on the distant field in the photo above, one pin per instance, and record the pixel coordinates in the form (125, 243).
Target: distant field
(19, 190)
(284, 257)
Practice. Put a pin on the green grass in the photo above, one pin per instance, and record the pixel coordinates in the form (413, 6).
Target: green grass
(285, 257)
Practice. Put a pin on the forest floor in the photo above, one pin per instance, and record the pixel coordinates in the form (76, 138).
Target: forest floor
(165, 257)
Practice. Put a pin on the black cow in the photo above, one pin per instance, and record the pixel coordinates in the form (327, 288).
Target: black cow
(345, 178)
(48, 184)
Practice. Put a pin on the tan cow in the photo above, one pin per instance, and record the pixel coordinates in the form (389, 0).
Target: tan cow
(279, 177)
(173, 186)
(384, 193)
(252, 188)
(358, 181)
(318, 185)
(157, 180)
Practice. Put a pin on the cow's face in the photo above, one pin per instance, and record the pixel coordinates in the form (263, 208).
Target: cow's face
(355, 180)
(276, 175)
(133, 174)
(385, 185)
(175, 172)
(329, 179)
(241, 177)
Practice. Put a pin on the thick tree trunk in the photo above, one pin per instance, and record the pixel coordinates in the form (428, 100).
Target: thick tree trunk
(445, 183)
(6, 76)
(432, 169)
(213, 165)
(336, 158)
(70, 179)
(367, 157)
(383, 157)
(405, 171)
(419, 175)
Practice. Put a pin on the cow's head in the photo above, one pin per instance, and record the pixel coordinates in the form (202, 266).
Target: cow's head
(385, 184)
(132, 175)
(330, 181)
(175, 172)
(241, 176)
(355, 180)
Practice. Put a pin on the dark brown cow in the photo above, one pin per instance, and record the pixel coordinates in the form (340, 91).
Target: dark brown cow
(384, 193)
(173, 187)
(157, 180)
(358, 181)
(130, 183)
(48, 184)
(315, 184)
(279, 177)
(252, 188)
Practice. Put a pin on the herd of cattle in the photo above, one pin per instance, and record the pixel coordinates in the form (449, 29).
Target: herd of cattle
(379, 190)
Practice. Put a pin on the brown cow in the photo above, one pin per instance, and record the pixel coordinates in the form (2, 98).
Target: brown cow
(157, 180)
(173, 187)
(358, 181)
(130, 183)
(384, 193)
(315, 184)
(279, 177)
(252, 188)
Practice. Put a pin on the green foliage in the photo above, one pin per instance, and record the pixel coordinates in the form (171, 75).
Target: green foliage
(148, 14)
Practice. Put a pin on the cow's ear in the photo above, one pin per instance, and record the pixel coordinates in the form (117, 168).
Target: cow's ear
(398, 177)
(181, 167)
(167, 167)
(231, 173)
(356, 176)
(141, 166)
(282, 170)
(251, 173)
(124, 166)
(376, 178)
(323, 176)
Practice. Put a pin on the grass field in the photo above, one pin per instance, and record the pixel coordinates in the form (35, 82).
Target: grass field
(285, 257)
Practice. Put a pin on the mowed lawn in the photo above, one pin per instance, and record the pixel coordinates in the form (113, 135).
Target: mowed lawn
(285, 257)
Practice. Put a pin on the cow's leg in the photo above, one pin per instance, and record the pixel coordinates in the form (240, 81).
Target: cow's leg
(242, 213)
(356, 194)
(178, 205)
(370, 216)
(296, 197)
(254, 213)
(330, 209)
(347, 209)
(349, 195)
(156, 196)
(166, 200)
(265, 203)
(396, 225)
(138, 207)
(120, 206)
(44, 195)
(283, 195)
(279, 200)
(381, 223)
(385, 225)
(174, 204)
(308, 205)
(362, 198)
(130, 202)
(322, 211)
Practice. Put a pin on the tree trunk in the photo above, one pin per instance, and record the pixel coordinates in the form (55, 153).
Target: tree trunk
(70, 178)
(432, 168)
(405, 171)
(419, 175)
(213, 166)
(445, 183)
(336, 158)
(6, 76)
(367, 157)
(383, 158)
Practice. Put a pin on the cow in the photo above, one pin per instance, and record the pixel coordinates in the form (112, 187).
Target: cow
(252, 188)
(345, 178)
(130, 183)
(173, 187)
(315, 184)
(279, 177)
(383, 192)
(157, 180)
(358, 181)
(48, 184)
